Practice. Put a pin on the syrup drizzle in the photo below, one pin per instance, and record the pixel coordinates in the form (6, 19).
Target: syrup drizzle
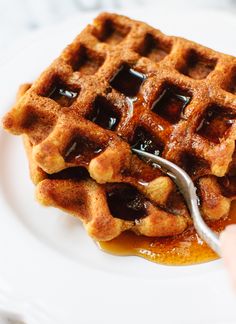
(127, 81)
(228, 185)
(73, 173)
(81, 151)
(215, 123)
(195, 167)
(171, 104)
(145, 142)
(125, 202)
(63, 95)
(184, 249)
(103, 114)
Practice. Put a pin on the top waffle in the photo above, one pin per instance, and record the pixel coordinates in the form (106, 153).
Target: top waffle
(122, 83)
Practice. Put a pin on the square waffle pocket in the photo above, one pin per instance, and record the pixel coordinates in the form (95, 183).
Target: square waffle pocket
(123, 84)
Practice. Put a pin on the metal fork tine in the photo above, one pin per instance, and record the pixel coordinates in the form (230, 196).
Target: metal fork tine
(188, 190)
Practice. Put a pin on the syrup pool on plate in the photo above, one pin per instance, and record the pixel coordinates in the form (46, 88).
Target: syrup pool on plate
(184, 249)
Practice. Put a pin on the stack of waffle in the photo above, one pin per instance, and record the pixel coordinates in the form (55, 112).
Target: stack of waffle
(122, 84)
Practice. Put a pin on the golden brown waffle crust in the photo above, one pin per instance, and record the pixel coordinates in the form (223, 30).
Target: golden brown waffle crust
(51, 140)
(87, 67)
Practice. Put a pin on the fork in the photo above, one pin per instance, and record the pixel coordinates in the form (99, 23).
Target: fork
(188, 190)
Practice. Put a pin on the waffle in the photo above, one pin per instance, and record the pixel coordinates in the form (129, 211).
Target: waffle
(124, 84)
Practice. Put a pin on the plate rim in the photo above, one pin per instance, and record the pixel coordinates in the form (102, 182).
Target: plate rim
(10, 225)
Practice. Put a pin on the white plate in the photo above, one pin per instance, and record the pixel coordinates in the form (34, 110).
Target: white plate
(51, 272)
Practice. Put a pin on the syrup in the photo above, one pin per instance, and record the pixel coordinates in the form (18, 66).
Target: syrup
(143, 141)
(127, 81)
(194, 166)
(232, 166)
(125, 202)
(215, 123)
(171, 104)
(184, 249)
(73, 173)
(228, 185)
(103, 114)
(63, 95)
(81, 151)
